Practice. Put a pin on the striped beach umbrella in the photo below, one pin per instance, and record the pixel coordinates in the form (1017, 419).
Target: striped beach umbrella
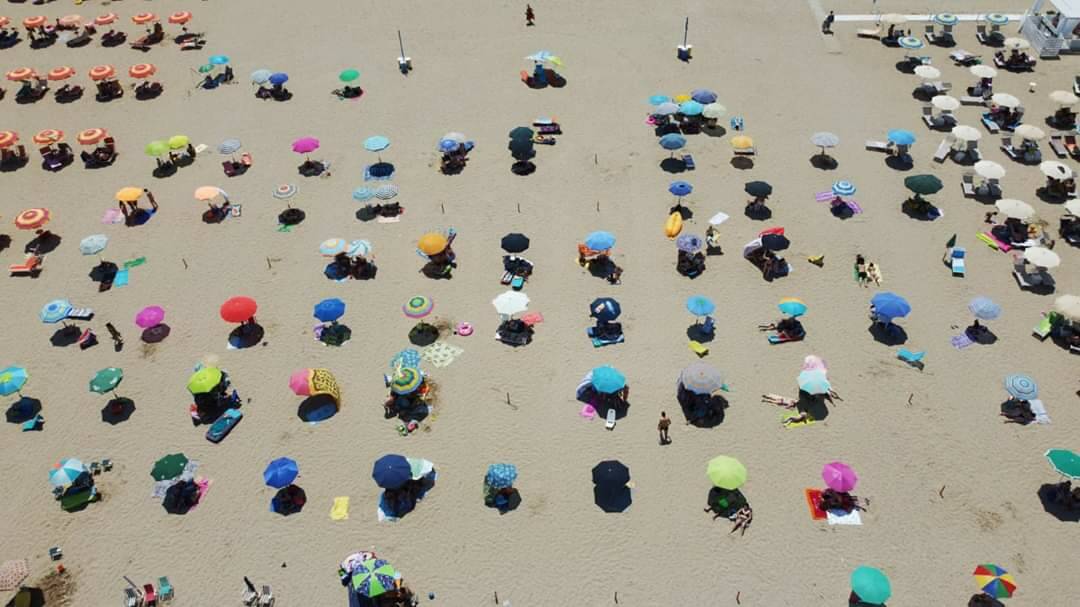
(106, 19)
(910, 42)
(284, 191)
(61, 73)
(332, 246)
(144, 18)
(180, 17)
(91, 136)
(142, 70)
(946, 19)
(406, 380)
(66, 471)
(32, 219)
(21, 73)
(8, 139)
(35, 21)
(1021, 387)
(55, 311)
(418, 306)
(48, 136)
(386, 191)
(101, 72)
(843, 188)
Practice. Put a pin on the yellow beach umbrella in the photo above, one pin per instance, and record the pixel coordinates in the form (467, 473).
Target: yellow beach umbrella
(742, 142)
(129, 194)
(683, 98)
(178, 142)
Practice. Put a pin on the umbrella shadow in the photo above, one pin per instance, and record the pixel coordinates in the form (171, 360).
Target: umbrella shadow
(164, 170)
(1046, 196)
(317, 408)
(156, 333)
(673, 165)
(914, 212)
(696, 332)
(1051, 496)
(813, 405)
(824, 162)
(513, 502)
(709, 413)
(612, 500)
(291, 217)
(982, 336)
(289, 500)
(43, 42)
(65, 336)
(604, 403)
(423, 334)
(555, 79)
(35, 598)
(523, 168)
(742, 163)
(714, 131)
(890, 334)
(921, 94)
(14, 164)
(905, 67)
(104, 273)
(683, 212)
(5, 242)
(246, 335)
(666, 128)
(899, 163)
(22, 410)
(841, 211)
(117, 411)
(45, 243)
(758, 212)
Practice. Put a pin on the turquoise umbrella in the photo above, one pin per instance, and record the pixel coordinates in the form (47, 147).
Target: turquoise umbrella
(65, 473)
(1065, 462)
(814, 382)
(607, 379)
(691, 108)
(871, 585)
(658, 99)
(12, 380)
(376, 143)
(55, 311)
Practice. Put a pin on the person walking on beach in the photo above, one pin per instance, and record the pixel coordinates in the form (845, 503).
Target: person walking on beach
(826, 26)
(530, 16)
(663, 426)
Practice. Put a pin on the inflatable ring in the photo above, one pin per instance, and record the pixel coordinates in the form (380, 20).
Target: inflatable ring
(464, 329)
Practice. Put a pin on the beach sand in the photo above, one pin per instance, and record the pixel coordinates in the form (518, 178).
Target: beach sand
(907, 434)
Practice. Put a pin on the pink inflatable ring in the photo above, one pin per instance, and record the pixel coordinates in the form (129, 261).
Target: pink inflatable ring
(464, 329)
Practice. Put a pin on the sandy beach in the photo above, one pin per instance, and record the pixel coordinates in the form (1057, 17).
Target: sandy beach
(950, 485)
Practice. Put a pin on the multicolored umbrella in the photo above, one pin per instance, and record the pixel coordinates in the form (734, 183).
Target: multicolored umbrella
(500, 476)
(814, 382)
(12, 380)
(792, 306)
(373, 577)
(699, 305)
(1065, 462)
(180, 17)
(726, 472)
(106, 380)
(689, 243)
(700, 378)
(55, 311)
(62, 72)
(418, 306)
(66, 472)
(204, 380)
(871, 585)
(332, 246)
(32, 219)
(168, 467)
(106, 19)
(91, 136)
(838, 476)
(910, 42)
(608, 379)
(284, 191)
(1021, 387)
(142, 70)
(406, 358)
(605, 309)
(143, 18)
(281, 472)
(843, 188)
(995, 581)
(406, 380)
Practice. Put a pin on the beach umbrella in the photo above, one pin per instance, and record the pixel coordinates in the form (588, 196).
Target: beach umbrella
(758, 189)
(600, 241)
(229, 146)
(204, 380)
(1064, 98)
(1055, 169)
(814, 382)
(12, 380)
(305, 145)
(521, 133)
(689, 243)
(838, 476)
(703, 96)
(1042, 257)
(1021, 387)
(179, 142)
(666, 108)
(106, 19)
(20, 74)
(501, 476)
(12, 573)
(700, 378)
(359, 248)
(713, 111)
(611, 473)
(605, 309)
(843, 188)
(156, 148)
(180, 17)
(901, 137)
(91, 136)
(1016, 209)
(1016, 44)
(376, 143)
(332, 246)
(373, 577)
(726, 472)
(260, 76)
(515, 242)
(813, 362)
(1073, 207)
(208, 193)
(219, 60)
(129, 194)
(994, 580)
(608, 379)
(996, 18)
(658, 99)
(447, 145)
(406, 380)
(35, 21)
(792, 306)
(945, 103)
(32, 219)
(386, 191)
(1068, 306)
(691, 108)
(418, 306)
(989, 169)
(509, 303)
(1005, 100)
(169, 467)
(1065, 462)
(964, 132)
(742, 142)
(8, 138)
(150, 316)
(923, 184)
(775, 242)
(391, 471)
(238, 309)
(927, 72)
(888, 306)
(144, 18)
(946, 19)
(870, 585)
(48, 137)
(55, 311)
(432, 243)
(984, 308)
(1027, 131)
(329, 310)
(363, 194)
(982, 70)
(106, 380)
(60, 73)
(825, 140)
(699, 305)
(910, 42)
(142, 70)
(284, 191)
(66, 472)
(349, 75)
(280, 473)
(680, 188)
(545, 56)
(672, 141)
(278, 78)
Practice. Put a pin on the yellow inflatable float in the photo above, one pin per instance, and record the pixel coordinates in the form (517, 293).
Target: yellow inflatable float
(673, 225)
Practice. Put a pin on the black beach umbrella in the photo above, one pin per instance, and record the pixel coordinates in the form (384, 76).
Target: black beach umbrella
(515, 243)
(775, 242)
(923, 184)
(758, 189)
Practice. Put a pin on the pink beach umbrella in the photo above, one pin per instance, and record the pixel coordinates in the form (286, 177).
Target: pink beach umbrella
(300, 382)
(305, 145)
(150, 316)
(839, 476)
(814, 363)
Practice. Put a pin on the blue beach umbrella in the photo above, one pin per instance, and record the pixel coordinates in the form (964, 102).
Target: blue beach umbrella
(391, 471)
(500, 476)
(680, 188)
(946, 19)
(605, 309)
(703, 96)
(376, 143)
(843, 188)
(792, 306)
(691, 108)
(699, 305)
(362, 194)
(278, 78)
(448, 145)
(600, 241)
(281, 473)
(12, 380)
(997, 19)
(910, 42)
(329, 310)
(901, 137)
(672, 141)
(689, 243)
(94, 244)
(984, 308)
(608, 379)
(219, 60)
(888, 306)
(55, 311)
(658, 99)
(666, 108)
(814, 382)
(1021, 387)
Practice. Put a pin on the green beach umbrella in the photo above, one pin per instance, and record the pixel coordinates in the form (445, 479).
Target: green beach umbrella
(106, 380)
(726, 472)
(1065, 462)
(373, 577)
(206, 69)
(177, 142)
(923, 184)
(170, 466)
(349, 75)
(871, 585)
(204, 380)
(156, 148)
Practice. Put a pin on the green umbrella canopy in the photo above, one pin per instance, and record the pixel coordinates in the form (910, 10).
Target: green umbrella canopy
(205, 69)
(726, 472)
(923, 184)
(871, 585)
(156, 148)
(204, 380)
(1065, 462)
(170, 466)
(373, 578)
(521, 132)
(349, 75)
(106, 380)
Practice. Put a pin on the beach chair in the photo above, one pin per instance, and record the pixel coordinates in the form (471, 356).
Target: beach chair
(990, 125)
(132, 598)
(930, 37)
(1046, 325)
(609, 422)
(698, 348)
(912, 358)
(967, 184)
(81, 313)
(878, 146)
(1057, 144)
(928, 116)
(30, 267)
(267, 598)
(1069, 141)
(874, 33)
(709, 326)
(688, 162)
(33, 425)
(746, 152)
(942, 87)
(964, 58)
(980, 33)
(149, 595)
(1007, 147)
(972, 100)
(943, 150)
(249, 597)
(958, 258)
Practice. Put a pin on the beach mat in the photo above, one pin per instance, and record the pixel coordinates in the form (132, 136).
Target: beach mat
(813, 498)
(441, 354)
(803, 424)
(961, 341)
(839, 517)
(340, 510)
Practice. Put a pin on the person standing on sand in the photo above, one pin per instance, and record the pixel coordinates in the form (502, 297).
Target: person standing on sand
(529, 16)
(826, 26)
(663, 426)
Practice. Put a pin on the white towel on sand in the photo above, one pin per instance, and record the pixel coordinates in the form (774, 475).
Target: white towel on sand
(1039, 409)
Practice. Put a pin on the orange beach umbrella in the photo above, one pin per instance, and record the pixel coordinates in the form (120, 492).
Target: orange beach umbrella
(21, 73)
(180, 17)
(101, 72)
(70, 20)
(8, 138)
(48, 137)
(32, 219)
(36, 21)
(142, 70)
(61, 73)
(106, 19)
(143, 18)
(91, 136)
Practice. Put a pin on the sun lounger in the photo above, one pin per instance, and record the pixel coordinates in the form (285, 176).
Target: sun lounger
(132, 598)
(874, 33)
(1069, 141)
(930, 34)
(1045, 326)
(609, 423)
(688, 162)
(698, 348)
(972, 100)
(267, 598)
(31, 267)
(967, 184)
(943, 150)
(1007, 147)
(958, 257)
(878, 146)
(34, 424)
(81, 313)
(599, 343)
(165, 589)
(928, 116)
(249, 597)
(964, 58)
(912, 358)
(746, 152)
(1058, 145)
(990, 125)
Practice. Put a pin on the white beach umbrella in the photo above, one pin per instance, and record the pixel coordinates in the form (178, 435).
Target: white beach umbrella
(713, 110)
(511, 302)
(1027, 131)
(1005, 100)
(1016, 44)
(1073, 207)
(964, 132)
(825, 139)
(1068, 306)
(893, 19)
(1055, 169)
(1017, 209)
(1042, 257)
(982, 71)
(988, 169)
(1064, 98)
(927, 72)
(945, 103)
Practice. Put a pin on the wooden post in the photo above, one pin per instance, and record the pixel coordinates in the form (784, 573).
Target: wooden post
(443, 207)
(508, 398)
(185, 262)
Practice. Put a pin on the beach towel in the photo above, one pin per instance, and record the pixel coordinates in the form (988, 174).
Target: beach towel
(961, 341)
(340, 509)
(824, 196)
(588, 411)
(839, 517)
(441, 354)
(813, 499)
(121, 278)
(786, 414)
(112, 216)
(204, 486)
(854, 206)
(532, 318)
(1039, 409)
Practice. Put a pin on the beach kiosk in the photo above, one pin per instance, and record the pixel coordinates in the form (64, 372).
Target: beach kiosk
(1053, 27)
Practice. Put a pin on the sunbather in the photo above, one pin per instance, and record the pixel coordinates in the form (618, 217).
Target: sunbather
(1017, 412)
(837, 500)
(776, 399)
(690, 264)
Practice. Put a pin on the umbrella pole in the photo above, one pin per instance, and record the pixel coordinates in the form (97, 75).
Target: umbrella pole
(401, 45)
(685, 31)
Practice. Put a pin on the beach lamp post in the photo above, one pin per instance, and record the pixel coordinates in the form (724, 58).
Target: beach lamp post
(683, 51)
